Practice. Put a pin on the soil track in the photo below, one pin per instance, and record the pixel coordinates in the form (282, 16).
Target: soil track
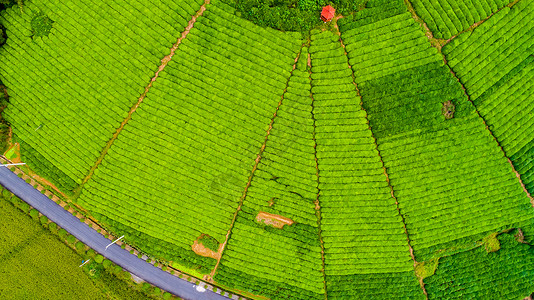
(257, 161)
(164, 62)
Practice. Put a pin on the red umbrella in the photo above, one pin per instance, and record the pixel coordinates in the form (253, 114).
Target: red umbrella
(328, 13)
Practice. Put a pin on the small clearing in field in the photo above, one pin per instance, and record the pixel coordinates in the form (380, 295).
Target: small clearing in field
(274, 220)
(199, 249)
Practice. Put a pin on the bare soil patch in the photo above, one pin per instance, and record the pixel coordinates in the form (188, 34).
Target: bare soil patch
(274, 220)
(199, 249)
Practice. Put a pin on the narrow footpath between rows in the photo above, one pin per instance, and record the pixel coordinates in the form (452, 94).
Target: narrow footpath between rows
(96, 241)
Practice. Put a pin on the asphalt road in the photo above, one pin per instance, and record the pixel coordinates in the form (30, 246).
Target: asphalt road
(95, 240)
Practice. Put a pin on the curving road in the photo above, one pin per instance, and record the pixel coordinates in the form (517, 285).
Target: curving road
(95, 240)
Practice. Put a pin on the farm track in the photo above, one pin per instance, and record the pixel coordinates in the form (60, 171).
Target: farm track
(164, 62)
(317, 202)
(511, 4)
(257, 161)
(439, 43)
(421, 283)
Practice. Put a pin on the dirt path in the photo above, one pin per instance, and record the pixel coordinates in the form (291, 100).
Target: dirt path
(439, 43)
(164, 63)
(317, 202)
(511, 4)
(257, 161)
(421, 283)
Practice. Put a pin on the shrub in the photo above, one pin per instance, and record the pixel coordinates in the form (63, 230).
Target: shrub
(116, 270)
(107, 263)
(91, 253)
(15, 200)
(34, 213)
(53, 227)
(146, 287)
(62, 233)
(25, 207)
(43, 219)
(156, 291)
(7, 194)
(80, 247)
(124, 275)
(167, 296)
(99, 258)
(71, 239)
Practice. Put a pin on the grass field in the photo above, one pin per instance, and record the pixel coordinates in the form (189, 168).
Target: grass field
(380, 155)
(35, 264)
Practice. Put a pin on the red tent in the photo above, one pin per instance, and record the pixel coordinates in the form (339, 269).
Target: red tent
(328, 13)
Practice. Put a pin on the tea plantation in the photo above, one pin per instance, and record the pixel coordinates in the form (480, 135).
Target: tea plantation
(385, 154)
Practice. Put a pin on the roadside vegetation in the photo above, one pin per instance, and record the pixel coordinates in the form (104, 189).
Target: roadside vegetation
(40, 261)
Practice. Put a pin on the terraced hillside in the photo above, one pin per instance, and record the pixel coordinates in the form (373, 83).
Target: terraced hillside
(387, 153)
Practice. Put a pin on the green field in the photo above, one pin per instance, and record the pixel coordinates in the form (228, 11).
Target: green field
(385, 154)
(34, 264)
